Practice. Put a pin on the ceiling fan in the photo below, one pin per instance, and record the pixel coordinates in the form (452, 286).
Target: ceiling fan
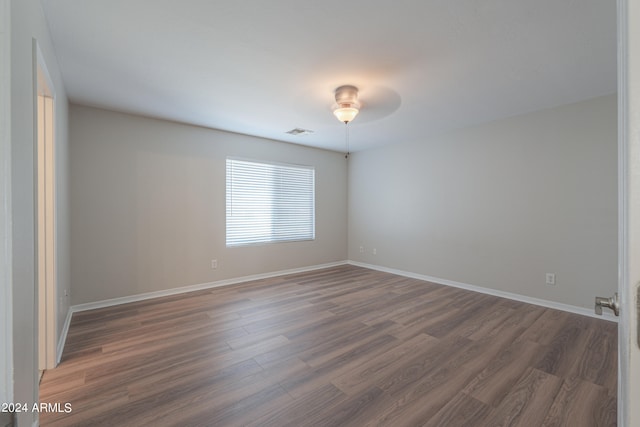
(369, 103)
(347, 106)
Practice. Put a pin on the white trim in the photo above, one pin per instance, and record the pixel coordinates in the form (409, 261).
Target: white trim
(502, 294)
(628, 210)
(234, 281)
(199, 287)
(623, 209)
(6, 291)
(227, 282)
(63, 336)
(44, 134)
(44, 84)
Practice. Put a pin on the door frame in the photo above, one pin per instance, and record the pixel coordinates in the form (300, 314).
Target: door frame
(44, 130)
(6, 294)
(628, 211)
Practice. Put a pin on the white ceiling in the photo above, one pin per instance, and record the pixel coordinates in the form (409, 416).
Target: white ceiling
(264, 67)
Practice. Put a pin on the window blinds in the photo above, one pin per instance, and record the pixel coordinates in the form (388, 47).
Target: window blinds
(269, 202)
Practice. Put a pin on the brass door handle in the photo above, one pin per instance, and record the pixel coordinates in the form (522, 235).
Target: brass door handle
(613, 303)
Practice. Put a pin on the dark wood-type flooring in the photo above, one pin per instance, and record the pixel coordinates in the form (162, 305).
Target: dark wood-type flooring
(344, 346)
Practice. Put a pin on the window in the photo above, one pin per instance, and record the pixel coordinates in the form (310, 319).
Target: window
(269, 202)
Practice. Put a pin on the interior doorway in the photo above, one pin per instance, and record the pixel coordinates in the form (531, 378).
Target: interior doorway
(46, 221)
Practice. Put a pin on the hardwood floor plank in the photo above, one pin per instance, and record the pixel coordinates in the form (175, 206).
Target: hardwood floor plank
(597, 363)
(383, 364)
(528, 402)
(428, 360)
(174, 403)
(546, 327)
(499, 377)
(242, 411)
(419, 400)
(85, 409)
(348, 346)
(564, 352)
(461, 411)
(582, 403)
(478, 326)
(354, 410)
(190, 374)
(325, 373)
(307, 409)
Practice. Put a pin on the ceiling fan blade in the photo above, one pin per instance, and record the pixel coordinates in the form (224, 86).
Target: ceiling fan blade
(377, 103)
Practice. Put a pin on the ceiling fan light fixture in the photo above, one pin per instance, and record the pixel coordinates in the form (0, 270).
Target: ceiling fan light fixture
(347, 106)
(346, 114)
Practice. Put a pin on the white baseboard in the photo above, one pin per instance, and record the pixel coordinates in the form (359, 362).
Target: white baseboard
(62, 339)
(175, 291)
(226, 282)
(509, 295)
(198, 287)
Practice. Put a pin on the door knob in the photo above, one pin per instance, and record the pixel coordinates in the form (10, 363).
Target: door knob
(613, 303)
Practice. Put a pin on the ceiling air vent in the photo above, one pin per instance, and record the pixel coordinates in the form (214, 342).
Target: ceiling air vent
(299, 131)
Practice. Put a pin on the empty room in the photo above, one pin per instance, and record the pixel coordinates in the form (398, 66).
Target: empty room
(319, 214)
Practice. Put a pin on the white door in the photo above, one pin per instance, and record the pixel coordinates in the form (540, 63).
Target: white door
(629, 208)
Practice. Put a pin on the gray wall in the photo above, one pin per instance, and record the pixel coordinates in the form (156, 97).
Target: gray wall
(497, 205)
(28, 22)
(148, 206)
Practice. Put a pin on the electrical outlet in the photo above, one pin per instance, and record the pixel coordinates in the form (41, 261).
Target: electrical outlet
(375, 251)
(361, 249)
(551, 279)
(214, 264)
